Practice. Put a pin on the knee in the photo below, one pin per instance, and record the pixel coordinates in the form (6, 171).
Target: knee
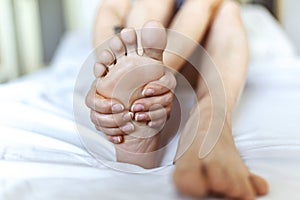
(230, 8)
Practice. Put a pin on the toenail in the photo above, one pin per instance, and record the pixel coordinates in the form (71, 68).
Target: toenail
(128, 116)
(117, 108)
(137, 108)
(127, 128)
(139, 117)
(148, 92)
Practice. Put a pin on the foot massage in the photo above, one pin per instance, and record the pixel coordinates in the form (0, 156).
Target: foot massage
(168, 103)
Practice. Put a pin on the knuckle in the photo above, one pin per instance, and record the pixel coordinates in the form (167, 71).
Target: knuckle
(168, 109)
(159, 85)
(149, 102)
(93, 117)
(89, 100)
(116, 119)
(102, 121)
(169, 98)
(102, 105)
(98, 120)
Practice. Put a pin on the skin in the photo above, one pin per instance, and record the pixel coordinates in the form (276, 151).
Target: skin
(118, 83)
(218, 173)
(108, 17)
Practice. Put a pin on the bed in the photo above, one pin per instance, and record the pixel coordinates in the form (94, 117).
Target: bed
(42, 155)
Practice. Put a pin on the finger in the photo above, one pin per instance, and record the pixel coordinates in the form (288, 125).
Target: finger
(157, 124)
(126, 129)
(115, 139)
(153, 115)
(110, 120)
(145, 104)
(100, 104)
(161, 86)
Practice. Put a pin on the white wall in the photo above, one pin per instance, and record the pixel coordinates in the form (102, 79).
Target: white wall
(290, 18)
(21, 44)
(28, 33)
(20, 39)
(8, 49)
(80, 14)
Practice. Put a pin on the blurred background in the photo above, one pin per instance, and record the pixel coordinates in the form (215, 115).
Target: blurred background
(30, 30)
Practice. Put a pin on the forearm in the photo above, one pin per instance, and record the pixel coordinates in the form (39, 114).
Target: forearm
(111, 13)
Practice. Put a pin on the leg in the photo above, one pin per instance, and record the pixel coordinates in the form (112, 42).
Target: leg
(124, 81)
(222, 172)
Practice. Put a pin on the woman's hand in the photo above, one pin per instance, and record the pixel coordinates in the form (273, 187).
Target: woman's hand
(110, 117)
(155, 107)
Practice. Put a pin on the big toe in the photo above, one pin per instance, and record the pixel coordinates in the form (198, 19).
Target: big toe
(154, 39)
(259, 185)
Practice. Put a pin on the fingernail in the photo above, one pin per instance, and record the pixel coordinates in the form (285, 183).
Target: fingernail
(150, 124)
(117, 140)
(141, 116)
(128, 116)
(148, 92)
(137, 108)
(117, 108)
(127, 128)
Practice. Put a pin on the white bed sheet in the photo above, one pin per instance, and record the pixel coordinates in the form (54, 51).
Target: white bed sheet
(42, 156)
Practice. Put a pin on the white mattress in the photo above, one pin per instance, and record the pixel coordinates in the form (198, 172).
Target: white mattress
(42, 156)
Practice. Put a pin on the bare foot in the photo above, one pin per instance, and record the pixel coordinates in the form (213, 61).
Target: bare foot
(222, 172)
(127, 73)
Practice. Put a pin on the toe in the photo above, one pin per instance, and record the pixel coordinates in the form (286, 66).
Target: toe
(190, 182)
(106, 58)
(247, 189)
(117, 47)
(259, 184)
(154, 39)
(218, 179)
(129, 38)
(237, 186)
(99, 70)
